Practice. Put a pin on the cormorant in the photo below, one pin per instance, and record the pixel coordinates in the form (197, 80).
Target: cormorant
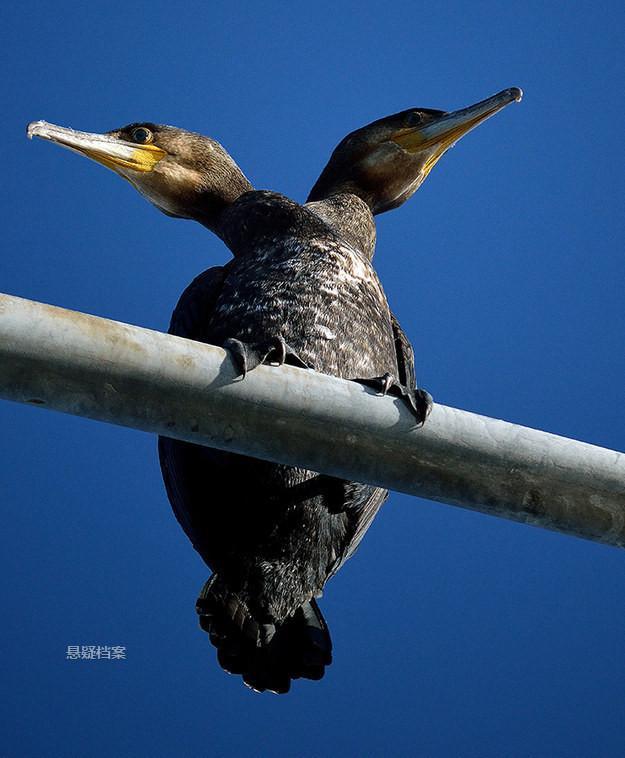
(300, 289)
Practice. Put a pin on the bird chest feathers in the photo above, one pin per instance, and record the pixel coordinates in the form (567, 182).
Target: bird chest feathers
(320, 294)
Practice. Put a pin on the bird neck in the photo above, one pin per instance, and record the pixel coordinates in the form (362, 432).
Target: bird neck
(262, 221)
(350, 218)
(212, 204)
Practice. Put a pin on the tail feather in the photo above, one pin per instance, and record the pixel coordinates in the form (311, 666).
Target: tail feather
(267, 655)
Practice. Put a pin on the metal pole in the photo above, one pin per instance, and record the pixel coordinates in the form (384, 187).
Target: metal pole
(123, 374)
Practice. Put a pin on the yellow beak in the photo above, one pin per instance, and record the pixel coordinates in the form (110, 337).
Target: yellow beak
(438, 136)
(116, 154)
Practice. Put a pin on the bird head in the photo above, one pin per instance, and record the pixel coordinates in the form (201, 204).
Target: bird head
(182, 173)
(385, 162)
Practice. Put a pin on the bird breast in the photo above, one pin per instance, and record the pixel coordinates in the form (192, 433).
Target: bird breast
(321, 295)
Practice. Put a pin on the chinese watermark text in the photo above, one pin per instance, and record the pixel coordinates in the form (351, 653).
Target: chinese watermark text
(95, 652)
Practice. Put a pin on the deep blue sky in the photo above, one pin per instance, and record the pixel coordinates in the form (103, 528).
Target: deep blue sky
(456, 634)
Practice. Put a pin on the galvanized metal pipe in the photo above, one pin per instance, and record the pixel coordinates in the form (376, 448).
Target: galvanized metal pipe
(147, 380)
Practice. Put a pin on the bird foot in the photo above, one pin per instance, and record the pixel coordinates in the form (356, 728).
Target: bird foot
(247, 355)
(418, 401)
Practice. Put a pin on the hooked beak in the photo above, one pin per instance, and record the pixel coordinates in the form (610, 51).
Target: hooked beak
(112, 152)
(438, 136)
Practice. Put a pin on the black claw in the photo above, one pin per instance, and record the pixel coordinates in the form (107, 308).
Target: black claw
(241, 356)
(293, 359)
(378, 383)
(424, 402)
(247, 355)
(418, 401)
(281, 352)
(387, 382)
(278, 350)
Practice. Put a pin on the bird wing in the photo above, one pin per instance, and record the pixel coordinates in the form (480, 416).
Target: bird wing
(362, 502)
(193, 311)
(190, 320)
(405, 356)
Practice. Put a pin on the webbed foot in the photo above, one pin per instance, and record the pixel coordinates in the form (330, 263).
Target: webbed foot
(418, 401)
(247, 355)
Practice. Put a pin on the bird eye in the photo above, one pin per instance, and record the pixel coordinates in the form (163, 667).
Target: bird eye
(142, 135)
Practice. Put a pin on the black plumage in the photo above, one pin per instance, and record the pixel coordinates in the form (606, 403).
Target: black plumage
(300, 289)
(275, 534)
